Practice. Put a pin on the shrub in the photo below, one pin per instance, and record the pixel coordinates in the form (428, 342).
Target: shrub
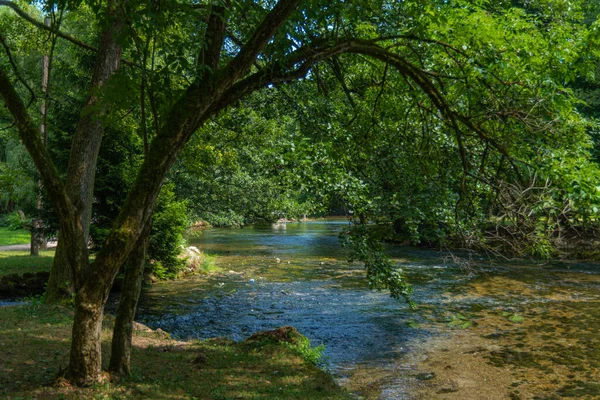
(169, 222)
(12, 221)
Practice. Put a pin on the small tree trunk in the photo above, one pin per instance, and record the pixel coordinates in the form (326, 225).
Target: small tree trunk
(36, 237)
(85, 364)
(60, 285)
(130, 294)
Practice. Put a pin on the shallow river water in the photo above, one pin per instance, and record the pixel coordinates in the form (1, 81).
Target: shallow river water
(494, 331)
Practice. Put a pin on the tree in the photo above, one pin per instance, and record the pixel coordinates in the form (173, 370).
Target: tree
(85, 147)
(223, 52)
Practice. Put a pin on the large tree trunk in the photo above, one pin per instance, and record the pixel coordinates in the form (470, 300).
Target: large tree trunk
(130, 293)
(85, 362)
(203, 99)
(61, 285)
(85, 147)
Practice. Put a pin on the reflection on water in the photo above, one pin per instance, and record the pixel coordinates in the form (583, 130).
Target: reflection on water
(297, 274)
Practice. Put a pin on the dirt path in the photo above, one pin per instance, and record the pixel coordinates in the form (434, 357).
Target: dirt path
(24, 247)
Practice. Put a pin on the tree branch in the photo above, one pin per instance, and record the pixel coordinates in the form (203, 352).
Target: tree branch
(40, 25)
(240, 65)
(30, 136)
(213, 40)
(56, 32)
(16, 70)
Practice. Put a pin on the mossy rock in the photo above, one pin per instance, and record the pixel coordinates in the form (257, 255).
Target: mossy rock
(286, 334)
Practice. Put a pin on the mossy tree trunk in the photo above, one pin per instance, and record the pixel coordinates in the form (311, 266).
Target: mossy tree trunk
(120, 355)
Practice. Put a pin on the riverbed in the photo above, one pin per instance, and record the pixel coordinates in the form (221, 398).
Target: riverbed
(481, 330)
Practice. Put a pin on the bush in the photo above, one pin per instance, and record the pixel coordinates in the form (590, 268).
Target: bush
(12, 221)
(169, 222)
(224, 219)
(309, 353)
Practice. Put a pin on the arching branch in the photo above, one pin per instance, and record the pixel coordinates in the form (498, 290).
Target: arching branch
(298, 64)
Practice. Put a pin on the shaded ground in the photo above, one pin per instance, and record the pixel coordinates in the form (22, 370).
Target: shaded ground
(34, 341)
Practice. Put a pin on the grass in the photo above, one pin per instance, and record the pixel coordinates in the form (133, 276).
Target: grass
(9, 237)
(18, 262)
(34, 343)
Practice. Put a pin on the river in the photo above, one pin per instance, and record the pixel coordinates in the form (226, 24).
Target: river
(490, 331)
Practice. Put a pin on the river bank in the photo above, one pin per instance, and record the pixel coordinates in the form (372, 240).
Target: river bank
(34, 342)
(495, 330)
(23, 275)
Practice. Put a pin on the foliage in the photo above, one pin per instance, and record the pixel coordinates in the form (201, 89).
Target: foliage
(169, 222)
(431, 118)
(381, 272)
(354, 133)
(208, 264)
(239, 168)
(309, 353)
(17, 176)
(12, 221)
(221, 219)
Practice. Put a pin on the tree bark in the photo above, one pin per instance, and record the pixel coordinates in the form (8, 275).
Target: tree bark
(37, 235)
(85, 361)
(130, 293)
(83, 158)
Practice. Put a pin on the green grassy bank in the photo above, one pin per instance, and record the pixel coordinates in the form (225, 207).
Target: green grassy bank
(9, 236)
(20, 262)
